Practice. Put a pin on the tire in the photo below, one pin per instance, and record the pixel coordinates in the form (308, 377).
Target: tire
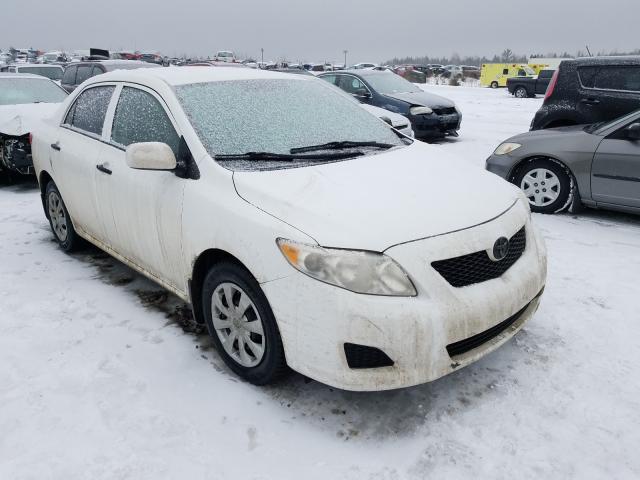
(242, 325)
(521, 92)
(494, 84)
(59, 219)
(546, 183)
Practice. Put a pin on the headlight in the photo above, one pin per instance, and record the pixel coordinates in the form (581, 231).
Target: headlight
(354, 270)
(420, 111)
(506, 148)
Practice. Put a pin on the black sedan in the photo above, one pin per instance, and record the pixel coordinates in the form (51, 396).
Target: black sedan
(431, 116)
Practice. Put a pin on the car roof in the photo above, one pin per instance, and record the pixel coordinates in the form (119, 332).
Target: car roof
(35, 65)
(608, 60)
(22, 75)
(175, 76)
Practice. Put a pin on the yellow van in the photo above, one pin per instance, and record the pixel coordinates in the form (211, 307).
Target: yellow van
(495, 75)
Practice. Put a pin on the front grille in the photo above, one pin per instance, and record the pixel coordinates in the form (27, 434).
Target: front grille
(361, 356)
(463, 346)
(478, 267)
(444, 111)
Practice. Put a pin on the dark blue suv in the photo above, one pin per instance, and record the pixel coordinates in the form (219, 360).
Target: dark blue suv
(431, 116)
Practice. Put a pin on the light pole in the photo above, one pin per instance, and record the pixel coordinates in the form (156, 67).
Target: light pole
(262, 56)
(345, 58)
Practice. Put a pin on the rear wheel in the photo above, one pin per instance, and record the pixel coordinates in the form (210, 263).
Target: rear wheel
(242, 325)
(59, 219)
(546, 184)
(494, 84)
(521, 92)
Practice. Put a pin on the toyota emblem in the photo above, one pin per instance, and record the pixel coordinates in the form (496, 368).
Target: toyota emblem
(500, 249)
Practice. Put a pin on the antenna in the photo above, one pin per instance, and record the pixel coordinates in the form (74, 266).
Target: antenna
(588, 51)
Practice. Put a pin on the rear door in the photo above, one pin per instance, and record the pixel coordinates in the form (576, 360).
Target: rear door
(609, 91)
(75, 153)
(615, 172)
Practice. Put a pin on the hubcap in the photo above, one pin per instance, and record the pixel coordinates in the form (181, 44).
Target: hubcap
(541, 186)
(238, 324)
(57, 216)
(520, 93)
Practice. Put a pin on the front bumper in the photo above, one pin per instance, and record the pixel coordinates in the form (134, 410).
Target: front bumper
(434, 125)
(316, 320)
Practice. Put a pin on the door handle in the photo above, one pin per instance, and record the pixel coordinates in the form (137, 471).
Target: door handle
(590, 101)
(56, 146)
(104, 169)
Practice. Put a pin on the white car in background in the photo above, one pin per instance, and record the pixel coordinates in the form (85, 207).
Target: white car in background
(303, 231)
(25, 100)
(397, 121)
(225, 56)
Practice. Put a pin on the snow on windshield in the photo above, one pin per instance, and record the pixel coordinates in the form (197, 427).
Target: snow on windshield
(18, 91)
(275, 115)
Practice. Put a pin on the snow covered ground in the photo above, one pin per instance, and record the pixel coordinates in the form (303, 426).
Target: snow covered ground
(102, 376)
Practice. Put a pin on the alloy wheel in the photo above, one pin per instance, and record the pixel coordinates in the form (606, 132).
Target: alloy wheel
(541, 187)
(58, 216)
(238, 325)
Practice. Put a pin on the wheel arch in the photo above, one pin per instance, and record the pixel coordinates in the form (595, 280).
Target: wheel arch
(43, 180)
(201, 266)
(574, 196)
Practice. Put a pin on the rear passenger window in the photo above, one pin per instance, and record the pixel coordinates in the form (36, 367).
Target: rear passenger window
(587, 76)
(618, 78)
(84, 72)
(69, 77)
(140, 118)
(96, 71)
(90, 109)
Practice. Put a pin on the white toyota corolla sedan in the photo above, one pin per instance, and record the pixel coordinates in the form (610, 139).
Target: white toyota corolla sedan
(305, 232)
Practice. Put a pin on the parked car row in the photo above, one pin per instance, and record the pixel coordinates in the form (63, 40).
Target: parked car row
(584, 145)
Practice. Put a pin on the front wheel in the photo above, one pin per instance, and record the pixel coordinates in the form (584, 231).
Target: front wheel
(242, 324)
(59, 219)
(546, 184)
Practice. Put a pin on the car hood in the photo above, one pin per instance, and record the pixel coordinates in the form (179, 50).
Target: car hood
(20, 119)
(550, 133)
(422, 99)
(381, 200)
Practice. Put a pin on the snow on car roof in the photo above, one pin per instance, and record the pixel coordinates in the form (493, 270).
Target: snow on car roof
(22, 75)
(175, 76)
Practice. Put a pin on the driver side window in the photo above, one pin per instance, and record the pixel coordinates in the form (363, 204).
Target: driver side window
(352, 85)
(139, 117)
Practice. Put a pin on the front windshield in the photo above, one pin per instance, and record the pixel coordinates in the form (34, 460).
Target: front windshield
(54, 73)
(17, 91)
(276, 115)
(389, 83)
(601, 127)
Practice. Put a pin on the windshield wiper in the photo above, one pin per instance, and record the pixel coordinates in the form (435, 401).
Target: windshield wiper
(340, 146)
(285, 157)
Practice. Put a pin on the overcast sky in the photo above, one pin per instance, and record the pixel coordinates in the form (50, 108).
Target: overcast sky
(319, 30)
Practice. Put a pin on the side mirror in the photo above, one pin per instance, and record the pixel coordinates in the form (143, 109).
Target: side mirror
(363, 94)
(633, 131)
(387, 120)
(150, 156)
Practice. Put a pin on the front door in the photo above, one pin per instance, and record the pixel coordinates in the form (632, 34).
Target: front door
(142, 208)
(615, 172)
(75, 153)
